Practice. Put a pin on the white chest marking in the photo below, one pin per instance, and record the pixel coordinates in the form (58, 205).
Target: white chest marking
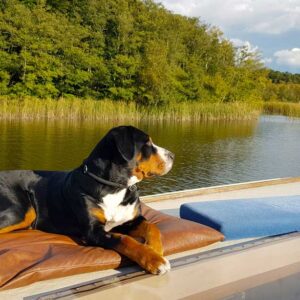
(133, 180)
(116, 214)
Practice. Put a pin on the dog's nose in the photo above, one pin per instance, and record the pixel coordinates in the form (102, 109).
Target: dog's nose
(171, 155)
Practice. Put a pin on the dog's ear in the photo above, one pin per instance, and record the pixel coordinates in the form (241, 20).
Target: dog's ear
(123, 137)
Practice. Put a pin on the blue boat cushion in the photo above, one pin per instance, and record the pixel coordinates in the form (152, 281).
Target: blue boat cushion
(245, 218)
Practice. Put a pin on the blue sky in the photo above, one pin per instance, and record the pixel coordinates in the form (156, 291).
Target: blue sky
(270, 26)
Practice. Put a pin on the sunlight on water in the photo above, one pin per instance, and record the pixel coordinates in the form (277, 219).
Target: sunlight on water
(207, 154)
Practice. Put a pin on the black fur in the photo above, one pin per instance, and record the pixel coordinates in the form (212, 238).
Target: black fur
(63, 200)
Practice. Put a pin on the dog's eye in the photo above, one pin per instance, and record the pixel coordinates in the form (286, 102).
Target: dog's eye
(147, 150)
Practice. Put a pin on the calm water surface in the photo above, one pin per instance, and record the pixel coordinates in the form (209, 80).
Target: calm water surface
(206, 153)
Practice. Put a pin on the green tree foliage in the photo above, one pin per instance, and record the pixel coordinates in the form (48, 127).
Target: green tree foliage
(129, 50)
(285, 87)
(284, 77)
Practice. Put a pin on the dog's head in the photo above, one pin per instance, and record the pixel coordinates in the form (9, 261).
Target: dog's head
(132, 152)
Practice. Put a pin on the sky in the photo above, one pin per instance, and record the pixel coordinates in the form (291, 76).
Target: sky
(269, 26)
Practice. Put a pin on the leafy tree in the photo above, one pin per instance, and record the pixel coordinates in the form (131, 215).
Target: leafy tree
(133, 50)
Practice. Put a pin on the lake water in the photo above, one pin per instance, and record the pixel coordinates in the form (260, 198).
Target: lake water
(207, 154)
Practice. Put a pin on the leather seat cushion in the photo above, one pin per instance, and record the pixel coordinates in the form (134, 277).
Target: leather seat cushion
(27, 256)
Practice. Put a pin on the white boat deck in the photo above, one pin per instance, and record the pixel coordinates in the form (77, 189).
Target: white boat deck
(257, 189)
(199, 278)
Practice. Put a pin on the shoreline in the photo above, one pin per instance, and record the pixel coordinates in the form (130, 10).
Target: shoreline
(29, 108)
(76, 109)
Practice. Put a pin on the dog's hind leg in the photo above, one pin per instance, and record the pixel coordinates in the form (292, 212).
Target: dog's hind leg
(16, 209)
(11, 220)
(14, 216)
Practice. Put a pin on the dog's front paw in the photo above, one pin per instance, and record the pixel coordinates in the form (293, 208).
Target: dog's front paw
(157, 265)
(164, 267)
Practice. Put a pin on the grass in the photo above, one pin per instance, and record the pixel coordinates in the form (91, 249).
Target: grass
(282, 108)
(107, 110)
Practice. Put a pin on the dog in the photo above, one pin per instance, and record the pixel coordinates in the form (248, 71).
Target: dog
(97, 202)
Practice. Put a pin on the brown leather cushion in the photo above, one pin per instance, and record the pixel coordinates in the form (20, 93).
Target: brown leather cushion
(28, 256)
(178, 234)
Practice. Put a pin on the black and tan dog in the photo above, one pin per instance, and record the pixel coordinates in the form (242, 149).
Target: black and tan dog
(97, 201)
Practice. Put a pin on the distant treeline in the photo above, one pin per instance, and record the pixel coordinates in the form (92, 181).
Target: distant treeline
(129, 50)
(285, 87)
(284, 77)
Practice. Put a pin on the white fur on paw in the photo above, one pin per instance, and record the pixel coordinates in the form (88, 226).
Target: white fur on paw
(165, 267)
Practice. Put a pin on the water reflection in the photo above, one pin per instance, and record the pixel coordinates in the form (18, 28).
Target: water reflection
(206, 153)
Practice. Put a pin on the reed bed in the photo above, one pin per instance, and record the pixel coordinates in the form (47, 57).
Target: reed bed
(107, 110)
(282, 108)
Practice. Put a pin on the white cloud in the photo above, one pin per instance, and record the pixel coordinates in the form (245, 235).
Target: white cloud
(245, 44)
(249, 48)
(245, 47)
(271, 24)
(288, 57)
(263, 16)
(267, 60)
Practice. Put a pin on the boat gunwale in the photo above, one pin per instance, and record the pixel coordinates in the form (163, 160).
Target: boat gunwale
(218, 189)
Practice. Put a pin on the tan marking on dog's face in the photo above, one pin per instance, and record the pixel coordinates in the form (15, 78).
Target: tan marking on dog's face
(152, 160)
(152, 166)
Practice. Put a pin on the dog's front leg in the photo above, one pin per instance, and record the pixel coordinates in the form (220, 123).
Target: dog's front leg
(142, 254)
(150, 233)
